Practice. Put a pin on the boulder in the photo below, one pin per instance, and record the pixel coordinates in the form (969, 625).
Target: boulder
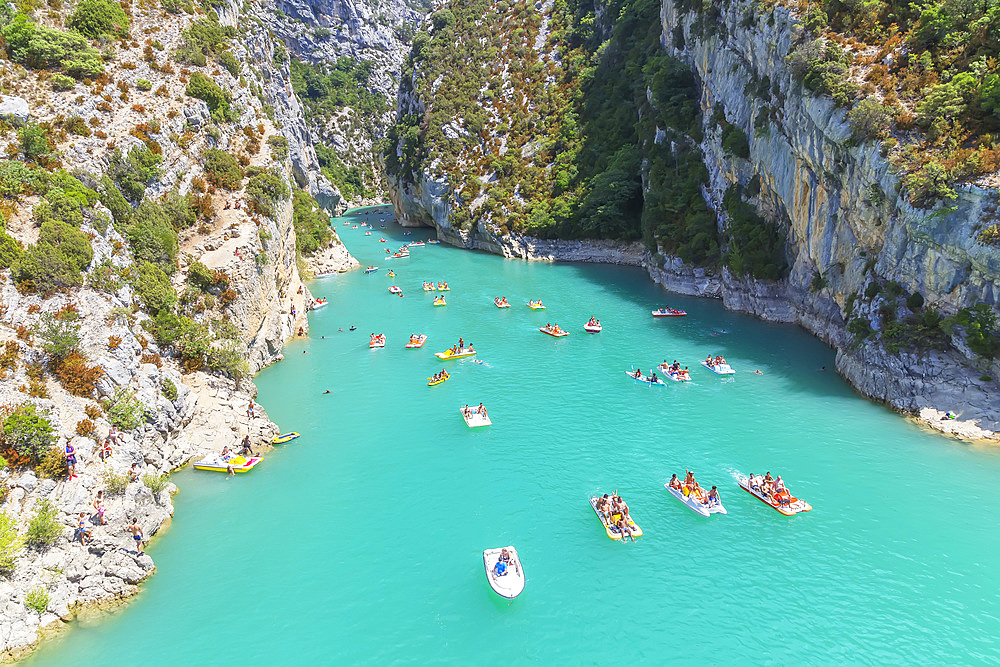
(14, 109)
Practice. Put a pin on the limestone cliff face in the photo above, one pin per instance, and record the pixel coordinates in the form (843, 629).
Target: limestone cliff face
(843, 212)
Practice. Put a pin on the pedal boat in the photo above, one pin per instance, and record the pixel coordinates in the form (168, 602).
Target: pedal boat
(418, 341)
(793, 507)
(448, 354)
(215, 463)
(694, 503)
(614, 534)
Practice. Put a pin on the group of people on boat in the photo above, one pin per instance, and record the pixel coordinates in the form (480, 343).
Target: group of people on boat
(536, 304)
(429, 287)
(377, 339)
(503, 564)
(443, 375)
(689, 487)
(415, 338)
(637, 374)
(614, 513)
(552, 328)
(772, 489)
(468, 411)
(460, 347)
(593, 322)
(501, 301)
(717, 361)
(674, 370)
(666, 310)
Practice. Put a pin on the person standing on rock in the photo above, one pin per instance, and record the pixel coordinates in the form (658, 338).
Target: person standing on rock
(245, 446)
(99, 508)
(71, 459)
(250, 410)
(82, 531)
(137, 535)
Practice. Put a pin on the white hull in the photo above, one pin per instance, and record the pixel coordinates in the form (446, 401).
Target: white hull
(475, 419)
(592, 328)
(720, 369)
(643, 378)
(510, 584)
(695, 505)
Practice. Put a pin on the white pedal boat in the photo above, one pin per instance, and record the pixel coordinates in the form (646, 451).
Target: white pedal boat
(592, 328)
(473, 418)
(676, 376)
(695, 505)
(720, 369)
(511, 583)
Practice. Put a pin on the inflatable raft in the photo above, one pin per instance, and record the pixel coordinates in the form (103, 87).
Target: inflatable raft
(473, 418)
(694, 503)
(790, 508)
(216, 463)
(614, 534)
(284, 437)
(510, 583)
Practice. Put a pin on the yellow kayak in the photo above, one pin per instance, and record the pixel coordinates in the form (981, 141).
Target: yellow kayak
(448, 354)
(431, 381)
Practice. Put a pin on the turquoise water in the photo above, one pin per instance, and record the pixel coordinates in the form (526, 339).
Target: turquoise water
(361, 542)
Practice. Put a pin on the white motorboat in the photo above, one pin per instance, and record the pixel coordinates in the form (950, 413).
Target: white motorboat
(511, 582)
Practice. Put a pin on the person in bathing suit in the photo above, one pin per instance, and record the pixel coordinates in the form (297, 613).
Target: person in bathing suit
(137, 535)
(674, 483)
(713, 497)
(71, 459)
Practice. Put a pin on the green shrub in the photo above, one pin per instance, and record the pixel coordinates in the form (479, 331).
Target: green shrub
(312, 227)
(3, 463)
(124, 410)
(915, 301)
(11, 544)
(200, 276)
(28, 431)
(34, 45)
(153, 288)
(981, 334)
(99, 18)
(34, 142)
(229, 61)
(218, 100)
(870, 119)
(144, 84)
(860, 327)
(77, 125)
(156, 482)
(267, 189)
(60, 335)
(169, 389)
(756, 247)
(37, 599)
(279, 147)
(15, 178)
(152, 236)
(133, 171)
(222, 169)
(44, 529)
(114, 483)
(112, 198)
(61, 82)
(56, 262)
(204, 39)
(735, 142)
(228, 360)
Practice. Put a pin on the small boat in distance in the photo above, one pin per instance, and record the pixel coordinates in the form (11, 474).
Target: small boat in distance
(674, 371)
(718, 365)
(782, 500)
(438, 378)
(216, 463)
(440, 301)
(475, 417)
(429, 287)
(371, 269)
(417, 340)
(507, 578)
(377, 340)
(536, 305)
(320, 303)
(393, 289)
(501, 302)
(433, 241)
(443, 287)
(668, 312)
(650, 379)
(593, 325)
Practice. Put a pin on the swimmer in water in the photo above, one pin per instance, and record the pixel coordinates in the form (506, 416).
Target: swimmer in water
(327, 392)
(758, 372)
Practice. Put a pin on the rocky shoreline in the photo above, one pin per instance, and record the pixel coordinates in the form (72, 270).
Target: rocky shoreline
(923, 387)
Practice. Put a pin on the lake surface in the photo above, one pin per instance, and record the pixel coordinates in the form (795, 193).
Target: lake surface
(361, 542)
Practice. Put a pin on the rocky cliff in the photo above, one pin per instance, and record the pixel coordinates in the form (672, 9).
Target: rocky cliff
(865, 270)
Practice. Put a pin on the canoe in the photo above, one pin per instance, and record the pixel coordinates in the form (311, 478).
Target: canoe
(668, 312)
(553, 332)
(535, 306)
(644, 378)
(475, 419)
(694, 504)
(434, 241)
(215, 463)
(720, 369)
(592, 328)
(614, 534)
(793, 507)
(419, 342)
(284, 437)
(510, 584)
(431, 382)
(675, 376)
(447, 354)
